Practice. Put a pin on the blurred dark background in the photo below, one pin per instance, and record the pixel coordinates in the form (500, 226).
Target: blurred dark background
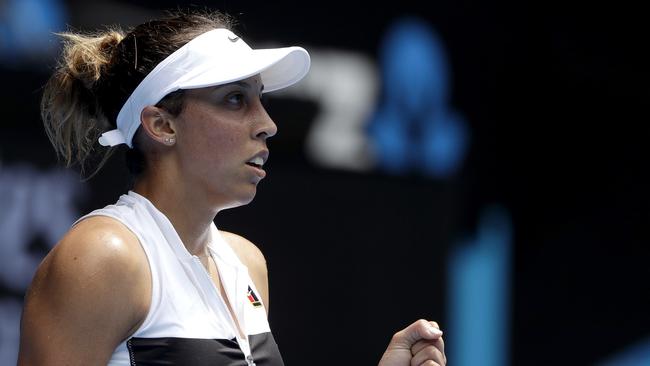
(518, 221)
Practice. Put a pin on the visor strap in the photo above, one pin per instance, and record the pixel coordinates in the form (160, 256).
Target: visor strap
(112, 138)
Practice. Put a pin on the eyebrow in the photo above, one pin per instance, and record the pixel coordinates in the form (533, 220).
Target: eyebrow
(240, 83)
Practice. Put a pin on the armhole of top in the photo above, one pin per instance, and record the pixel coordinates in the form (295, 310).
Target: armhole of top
(152, 270)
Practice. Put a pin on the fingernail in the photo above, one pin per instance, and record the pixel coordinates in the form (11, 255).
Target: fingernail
(435, 331)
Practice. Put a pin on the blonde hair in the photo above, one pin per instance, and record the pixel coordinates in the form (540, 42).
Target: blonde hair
(70, 110)
(96, 74)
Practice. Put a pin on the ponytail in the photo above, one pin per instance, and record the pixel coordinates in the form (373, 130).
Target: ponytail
(70, 108)
(96, 74)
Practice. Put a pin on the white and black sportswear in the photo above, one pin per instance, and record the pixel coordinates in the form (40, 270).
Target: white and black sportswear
(188, 322)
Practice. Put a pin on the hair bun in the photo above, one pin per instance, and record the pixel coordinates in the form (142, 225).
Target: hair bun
(85, 57)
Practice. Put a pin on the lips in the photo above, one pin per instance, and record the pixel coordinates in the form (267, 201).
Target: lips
(257, 162)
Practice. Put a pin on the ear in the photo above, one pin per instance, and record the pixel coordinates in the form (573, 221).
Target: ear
(159, 125)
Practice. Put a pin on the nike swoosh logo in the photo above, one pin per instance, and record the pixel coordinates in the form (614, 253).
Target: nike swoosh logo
(233, 39)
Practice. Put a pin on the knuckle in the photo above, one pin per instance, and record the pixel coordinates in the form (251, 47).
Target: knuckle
(434, 353)
(422, 325)
(397, 337)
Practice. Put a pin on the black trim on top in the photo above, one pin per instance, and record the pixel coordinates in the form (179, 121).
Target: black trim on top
(171, 351)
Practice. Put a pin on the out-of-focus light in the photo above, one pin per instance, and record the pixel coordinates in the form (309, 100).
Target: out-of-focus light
(479, 293)
(27, 27)
(343, 84)
(635, 355)
(414, 128)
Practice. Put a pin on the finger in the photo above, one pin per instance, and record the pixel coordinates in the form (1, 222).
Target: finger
(419, 345)
(430, 363)
(437, 343)
(441, 345)
(429, 353)
(420, 329)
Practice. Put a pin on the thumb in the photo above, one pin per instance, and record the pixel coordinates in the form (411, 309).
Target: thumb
(420, 329)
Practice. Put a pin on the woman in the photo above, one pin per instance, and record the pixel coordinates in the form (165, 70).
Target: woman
(150, 280)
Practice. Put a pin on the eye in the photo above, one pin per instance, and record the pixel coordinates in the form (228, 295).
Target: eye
(235, 99)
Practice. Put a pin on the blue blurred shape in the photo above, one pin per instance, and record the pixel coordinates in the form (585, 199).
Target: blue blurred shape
(26, 28)
(479, 293)
(413, 127)
(635, 355)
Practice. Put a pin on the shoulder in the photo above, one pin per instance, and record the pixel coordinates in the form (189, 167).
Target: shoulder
(247, 252)
(98, 269)
(98, 256)
(94, 284)
(98, 244)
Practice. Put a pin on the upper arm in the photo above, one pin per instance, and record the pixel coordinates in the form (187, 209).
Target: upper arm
(253, 258)
(86, 297)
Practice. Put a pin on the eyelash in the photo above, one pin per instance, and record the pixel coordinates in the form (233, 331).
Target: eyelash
(239, 95)
(241, 99)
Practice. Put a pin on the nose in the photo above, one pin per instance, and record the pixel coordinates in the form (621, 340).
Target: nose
(264, 126)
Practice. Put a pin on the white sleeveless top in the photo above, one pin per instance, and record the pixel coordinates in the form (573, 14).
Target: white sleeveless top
(188, 321)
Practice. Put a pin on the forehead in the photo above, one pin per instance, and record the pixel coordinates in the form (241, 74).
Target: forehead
(254, 83)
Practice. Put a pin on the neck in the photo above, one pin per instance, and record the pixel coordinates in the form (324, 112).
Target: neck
(189, 213)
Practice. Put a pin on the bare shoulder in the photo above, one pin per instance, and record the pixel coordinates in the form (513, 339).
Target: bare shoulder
(97, 248)
(247, 252)
(89, 293)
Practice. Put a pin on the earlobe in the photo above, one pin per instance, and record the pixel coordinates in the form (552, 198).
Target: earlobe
(158, 125)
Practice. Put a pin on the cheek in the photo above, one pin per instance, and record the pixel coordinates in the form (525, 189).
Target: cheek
(222, 141)
(210, 142)
(214, 147)
(204, 133)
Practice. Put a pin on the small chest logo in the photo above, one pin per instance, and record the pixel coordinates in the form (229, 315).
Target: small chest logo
(253, 298)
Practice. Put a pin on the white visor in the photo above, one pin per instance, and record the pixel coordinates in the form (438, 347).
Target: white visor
(214, 58)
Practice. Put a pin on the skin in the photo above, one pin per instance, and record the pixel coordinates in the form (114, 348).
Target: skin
(419, 344)
(93, 290)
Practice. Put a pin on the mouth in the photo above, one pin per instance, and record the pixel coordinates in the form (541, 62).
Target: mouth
(256, 162)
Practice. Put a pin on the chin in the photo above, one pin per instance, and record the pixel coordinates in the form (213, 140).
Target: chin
(241, 200)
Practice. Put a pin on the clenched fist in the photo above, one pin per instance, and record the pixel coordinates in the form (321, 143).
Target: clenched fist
(419, 344)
